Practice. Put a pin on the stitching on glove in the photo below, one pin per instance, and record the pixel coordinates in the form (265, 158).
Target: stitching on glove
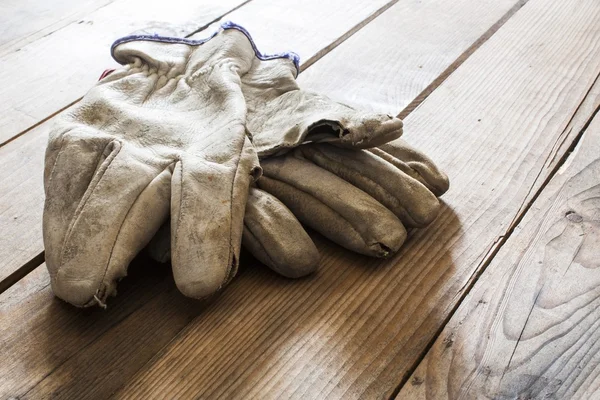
(295, 58)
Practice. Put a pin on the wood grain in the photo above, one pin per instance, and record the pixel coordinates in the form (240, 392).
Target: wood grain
(64, 374)
(402, 60)
(42, 335)
(359, 326)
(21, 161)
(24, 21)
(530, 328)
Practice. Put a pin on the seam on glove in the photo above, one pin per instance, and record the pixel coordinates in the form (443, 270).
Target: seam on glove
(295, 58)
(118, 235)
(271, 264)
(98, 175)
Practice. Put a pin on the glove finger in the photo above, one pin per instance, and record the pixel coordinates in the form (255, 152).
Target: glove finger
(207, 211)
(406, 197)
(281, 116)
(125, 203)
(332, 206)
(414, 163)
(275, 237)
(65, 185)
(271, 233)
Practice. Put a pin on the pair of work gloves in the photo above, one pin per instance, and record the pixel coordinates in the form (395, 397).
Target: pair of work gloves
(221, 138)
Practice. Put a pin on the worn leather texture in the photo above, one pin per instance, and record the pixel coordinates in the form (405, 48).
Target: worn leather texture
(361, 199)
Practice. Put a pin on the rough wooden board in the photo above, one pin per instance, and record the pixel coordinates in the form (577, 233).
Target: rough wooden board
(319, 21)
(401, 59)
(48, 333)
(358, 328)
(72, 380)
(21, 207)
(530, 328)
(21, 204)
(74, 57)
(24, 21)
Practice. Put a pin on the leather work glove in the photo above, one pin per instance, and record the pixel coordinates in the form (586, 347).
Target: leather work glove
(164, 134)
(360, 199)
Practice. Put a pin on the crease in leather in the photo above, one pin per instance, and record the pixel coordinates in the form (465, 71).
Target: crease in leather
(125, 219)
(362, 176)
(97, 177)
(342, 218)
(264, 251)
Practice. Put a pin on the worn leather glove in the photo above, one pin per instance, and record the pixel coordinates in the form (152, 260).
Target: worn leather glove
(359, 199)
(166, 133)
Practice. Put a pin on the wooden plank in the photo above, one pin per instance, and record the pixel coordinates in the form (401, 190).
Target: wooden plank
(402, 60)
(356, 329)
(74, 56)
(529, 329)
(40, 333)
(280, 22)
(133, 336)
(23, 21)
(21, 161)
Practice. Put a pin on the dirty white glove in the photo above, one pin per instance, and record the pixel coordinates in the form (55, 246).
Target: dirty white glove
(360, 199)
(164, 134)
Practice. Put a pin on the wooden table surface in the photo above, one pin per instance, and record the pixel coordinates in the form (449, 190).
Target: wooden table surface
(499, 298)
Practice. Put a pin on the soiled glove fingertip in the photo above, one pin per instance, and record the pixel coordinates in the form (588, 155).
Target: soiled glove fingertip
(298, 265)
(200, 289)
(435, 180)
(80, 292)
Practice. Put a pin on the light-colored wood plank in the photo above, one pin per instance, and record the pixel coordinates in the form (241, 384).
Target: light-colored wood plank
(21, 207)
(24, 21)
(276, 25)
(359, 326)
(402, 60)
(21, 161)
(133, 332)
(530, 328)
(21, 204)
(41, 78)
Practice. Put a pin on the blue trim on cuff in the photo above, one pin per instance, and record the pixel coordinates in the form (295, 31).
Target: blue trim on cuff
(295, 58)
